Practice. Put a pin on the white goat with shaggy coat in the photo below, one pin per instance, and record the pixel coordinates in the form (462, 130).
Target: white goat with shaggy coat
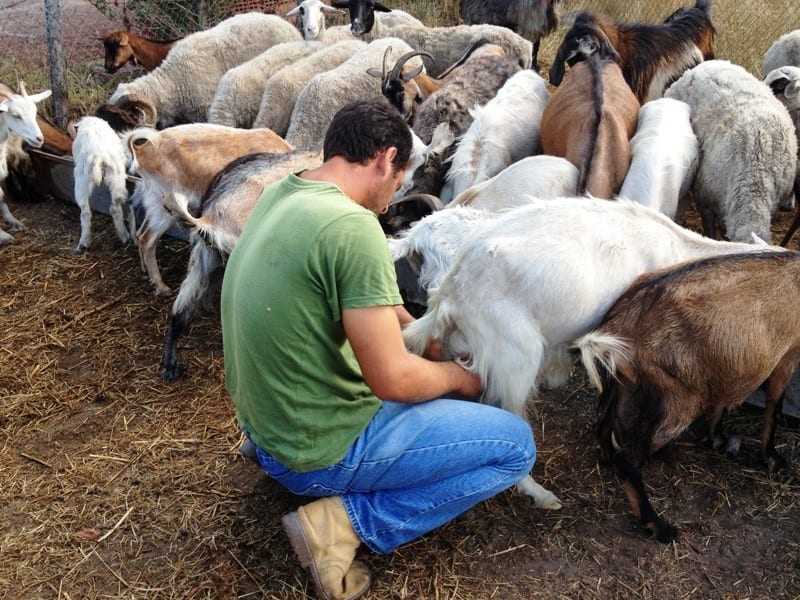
(503, 131)
(431, 244)
(665, 157)
(749, 148)
(100, 158)
(539, 277)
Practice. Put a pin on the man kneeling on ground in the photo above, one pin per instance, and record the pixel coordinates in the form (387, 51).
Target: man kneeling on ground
(323, 385)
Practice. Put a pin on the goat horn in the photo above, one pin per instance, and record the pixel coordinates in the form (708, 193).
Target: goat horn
(401, 62)
(428, 200)
(383, 66)
(22, 89)
(149, 113)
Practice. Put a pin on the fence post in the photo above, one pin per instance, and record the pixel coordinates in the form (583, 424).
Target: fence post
(55, 59)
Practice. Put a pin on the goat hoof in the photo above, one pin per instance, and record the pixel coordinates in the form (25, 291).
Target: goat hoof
(663, 531)
(6, 239)
(79, 250)
(172, 373)
(776, 464)
(163, 290)
(733, 446)
(549, 501)
(16, 227)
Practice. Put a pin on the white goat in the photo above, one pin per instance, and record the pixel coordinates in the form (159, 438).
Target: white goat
(431, 244)
(182, 88)
(523, 289)
(503, 131)
(282, 89)
(784, 52)
(311, 18)
(328, 92)
(749, 148)
(239, 92)
(665, 157)
(100, 158)
(17, 119)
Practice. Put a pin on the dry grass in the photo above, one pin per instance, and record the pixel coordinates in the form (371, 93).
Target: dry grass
(116, 485)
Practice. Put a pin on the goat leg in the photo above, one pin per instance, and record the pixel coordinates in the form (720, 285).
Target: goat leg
(535, 55)
(148, 240)
(639, 502)
(717, 438)
(5, 212)
(203, 261)
(776, 389)
(796, 222)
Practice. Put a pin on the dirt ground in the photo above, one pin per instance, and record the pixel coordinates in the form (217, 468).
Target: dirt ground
(114, 484)
(22, 31)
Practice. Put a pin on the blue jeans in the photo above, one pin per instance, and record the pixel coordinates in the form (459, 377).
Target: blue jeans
(418, 466)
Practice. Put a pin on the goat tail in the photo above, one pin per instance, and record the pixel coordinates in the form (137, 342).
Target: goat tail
(434, 324)
(468, 196)
(97, 172)
(180, 206)
(608, 350)
(596, 66)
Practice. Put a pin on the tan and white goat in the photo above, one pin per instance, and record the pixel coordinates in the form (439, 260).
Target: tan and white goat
(185, 159)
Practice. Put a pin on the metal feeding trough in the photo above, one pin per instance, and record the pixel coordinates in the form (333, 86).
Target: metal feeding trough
(55, 177)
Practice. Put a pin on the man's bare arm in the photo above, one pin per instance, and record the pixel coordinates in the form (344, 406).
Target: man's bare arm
(403, 316)
(390, 370)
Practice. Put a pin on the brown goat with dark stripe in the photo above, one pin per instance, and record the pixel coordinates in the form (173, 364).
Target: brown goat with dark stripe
(692, 342)
(590, 120)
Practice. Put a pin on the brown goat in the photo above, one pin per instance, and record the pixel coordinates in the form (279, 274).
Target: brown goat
(590, 120)
(652, 57)
(122, 47)
(690, 342)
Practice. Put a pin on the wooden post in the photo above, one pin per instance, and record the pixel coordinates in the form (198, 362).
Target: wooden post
(55, 59)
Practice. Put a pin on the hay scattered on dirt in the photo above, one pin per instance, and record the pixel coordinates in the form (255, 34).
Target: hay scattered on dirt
(114, 484)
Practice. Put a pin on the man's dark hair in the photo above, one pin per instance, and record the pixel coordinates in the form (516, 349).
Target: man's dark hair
(362, 129)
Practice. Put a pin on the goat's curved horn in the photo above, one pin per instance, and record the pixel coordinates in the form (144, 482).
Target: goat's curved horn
(401, 62)
(22, 89)
(149, 113)
(385, 58)
(428, 200)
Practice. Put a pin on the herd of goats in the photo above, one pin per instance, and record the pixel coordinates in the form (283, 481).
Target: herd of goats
(537, 221)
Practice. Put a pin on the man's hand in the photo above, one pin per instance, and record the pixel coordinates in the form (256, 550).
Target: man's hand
(390, 370)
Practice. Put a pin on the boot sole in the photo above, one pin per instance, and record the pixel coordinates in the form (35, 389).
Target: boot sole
(297, 538)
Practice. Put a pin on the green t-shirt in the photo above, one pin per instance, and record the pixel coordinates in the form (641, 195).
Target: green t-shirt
(307, 252)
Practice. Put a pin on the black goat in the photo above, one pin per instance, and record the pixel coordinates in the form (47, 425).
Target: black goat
(652, 56)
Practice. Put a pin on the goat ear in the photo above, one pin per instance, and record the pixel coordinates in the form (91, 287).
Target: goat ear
(41, 96)
(757, 240)
(557, 69)
(412, 74)
(293, 12)
(341, 3)
(4, 106)
(375, 73)
(442, 138)
(381, 8)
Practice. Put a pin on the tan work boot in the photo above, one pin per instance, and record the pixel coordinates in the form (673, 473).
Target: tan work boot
(323, 539)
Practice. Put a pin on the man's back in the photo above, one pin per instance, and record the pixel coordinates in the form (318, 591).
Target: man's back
(306, 253)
